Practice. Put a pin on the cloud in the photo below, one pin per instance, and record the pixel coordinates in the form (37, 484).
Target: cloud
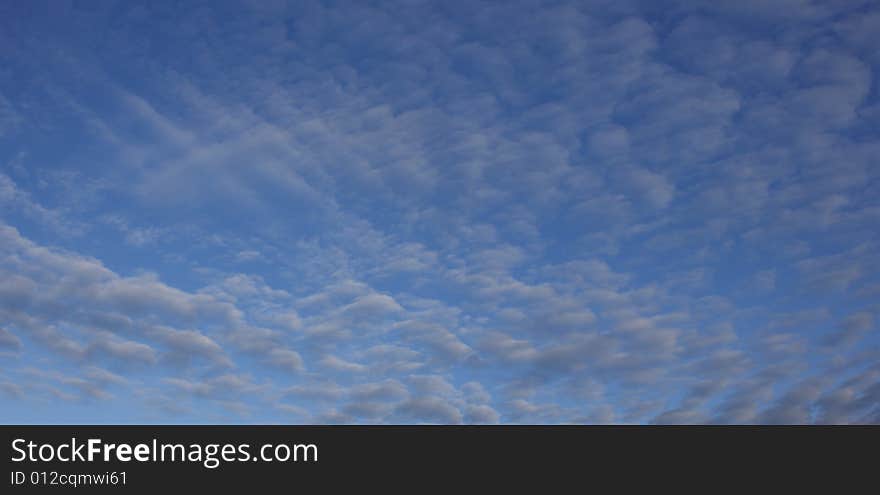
(16, 199)
(286, 359)
(11, 390)
(851, 329)
(337, 364)
(126, 351)
(429, 410)
(8, 340)
(649, 186)
(371, 306)
(92, 385)
(478, 414)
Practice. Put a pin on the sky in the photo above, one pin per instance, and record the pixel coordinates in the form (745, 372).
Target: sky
(439, 212)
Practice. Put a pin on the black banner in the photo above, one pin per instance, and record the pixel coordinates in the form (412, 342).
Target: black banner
(121, 459)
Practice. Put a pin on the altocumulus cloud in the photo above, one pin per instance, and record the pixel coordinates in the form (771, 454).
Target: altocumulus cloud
(440, 212)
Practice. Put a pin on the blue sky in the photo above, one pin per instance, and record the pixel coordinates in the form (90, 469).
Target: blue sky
(439, 212)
